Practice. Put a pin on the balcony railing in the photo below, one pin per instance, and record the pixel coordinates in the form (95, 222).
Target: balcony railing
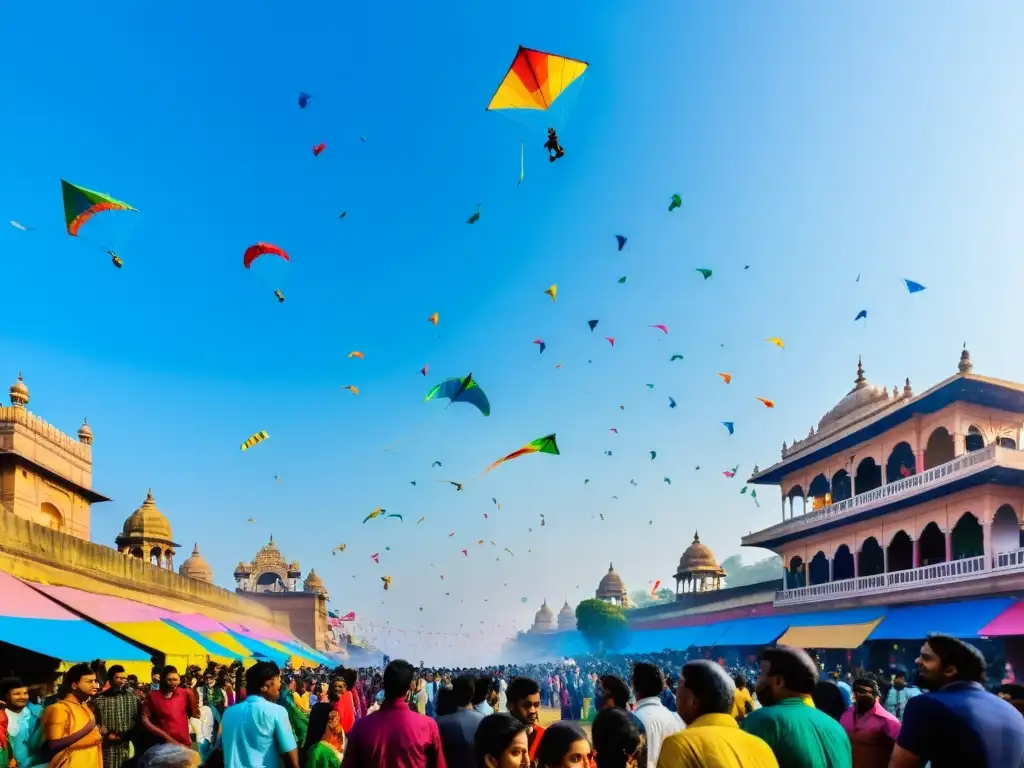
(961, 466)
(955, 571)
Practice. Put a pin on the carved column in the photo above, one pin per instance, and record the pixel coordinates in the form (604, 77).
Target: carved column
(831, 563)
(949, 546)
(856, 565)
(986, 532)
(915, 558)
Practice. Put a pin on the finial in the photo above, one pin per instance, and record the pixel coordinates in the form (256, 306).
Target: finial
(195, 548)
(610, 568)
(860, 381)
(271, 538)
(85, 433)
(907, 390)
(696, 538)
(19, 393)
(966, 366)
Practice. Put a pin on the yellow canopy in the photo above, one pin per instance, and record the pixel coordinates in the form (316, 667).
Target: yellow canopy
(297, 661)
(829, 636)
(178, 648)
(535, 80)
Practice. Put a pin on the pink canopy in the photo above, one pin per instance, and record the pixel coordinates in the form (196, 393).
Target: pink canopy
(197, 622)
(19, 601)
(104, 608)
(259, 631)
(1009, 622)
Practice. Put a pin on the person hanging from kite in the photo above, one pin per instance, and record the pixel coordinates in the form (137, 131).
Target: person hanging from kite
(554, 149)
(114, 258)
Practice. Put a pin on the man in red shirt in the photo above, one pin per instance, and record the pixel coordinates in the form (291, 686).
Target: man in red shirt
(166, 712)
(395, 736)
(523, 696)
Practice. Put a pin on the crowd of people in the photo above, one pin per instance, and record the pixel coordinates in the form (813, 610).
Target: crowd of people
(616, 713)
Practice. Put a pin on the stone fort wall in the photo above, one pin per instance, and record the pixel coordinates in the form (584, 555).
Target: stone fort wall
(34, 553)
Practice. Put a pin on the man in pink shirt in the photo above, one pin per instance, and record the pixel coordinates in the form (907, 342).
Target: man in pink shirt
(394, 736)
(871, 729)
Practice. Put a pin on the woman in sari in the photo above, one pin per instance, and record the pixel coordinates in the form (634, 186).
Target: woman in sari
(329, 748)
(299, 720)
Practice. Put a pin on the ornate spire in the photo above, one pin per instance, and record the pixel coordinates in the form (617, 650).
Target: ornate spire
(860, 381)
(966, 366)
(85, 433)
(19, 393)
(907, 389)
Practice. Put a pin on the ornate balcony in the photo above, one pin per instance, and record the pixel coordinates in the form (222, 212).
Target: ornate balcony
(961, 467)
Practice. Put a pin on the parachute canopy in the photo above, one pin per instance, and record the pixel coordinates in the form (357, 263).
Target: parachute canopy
(81, 204)
(253, 252)
(535, 80)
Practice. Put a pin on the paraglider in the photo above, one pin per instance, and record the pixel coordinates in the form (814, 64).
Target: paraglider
(387, 582)
(546, 444)
(277, 291)
(115, 259)
(254, 439)
(256, 250)
(464, 390)
(554, 149)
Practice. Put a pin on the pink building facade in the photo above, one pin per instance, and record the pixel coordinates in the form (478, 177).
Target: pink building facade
(898, 497)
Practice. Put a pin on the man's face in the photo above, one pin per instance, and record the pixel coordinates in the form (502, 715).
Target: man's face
(172, 681)
(17, 698)
(686, 704)
(209, 680)
(338, 688)
(118, 680)
(526, 710)
(864, 698)
(271, 689)
(930, 671)
(156, 678)
(765, 686)
(86, 687)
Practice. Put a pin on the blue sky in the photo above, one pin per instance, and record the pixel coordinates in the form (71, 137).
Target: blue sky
(810, 142)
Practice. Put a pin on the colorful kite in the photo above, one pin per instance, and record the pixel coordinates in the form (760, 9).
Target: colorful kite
(668, 480)
(535, 80)
(730, 426)
(622, 280)
(352, 388)
(592, 324)
(622, 241)
(654, 455)
(433, 319)
(767, 403)
(705, 272)
(726, 377)
(318, 148)
(464, 390)
(252, 440)
(541, 344)
(375, 557)
(671, 402)
(660, 327)
(424, 369)
(253, 252)
(610, 340)
(375, 514)
(863, 314)
(613, 429)
(675, 202)
(654, 589)
(356, 354)
(776, 341)
(913, 287)
(387, 582)
(552, 291)
(81, 204)
(674, 358)
(546, 444)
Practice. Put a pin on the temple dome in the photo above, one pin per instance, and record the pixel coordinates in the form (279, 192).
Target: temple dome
(611, 585)
(19, 392)
(147, 523)
(544, 619)
(864, 396)
(567, 617)
(196, 567)
(313, 581)
(698, 557)
(85, 433)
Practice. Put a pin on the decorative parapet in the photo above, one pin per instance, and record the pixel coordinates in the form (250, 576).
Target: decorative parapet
(36, 425)
(36, 553)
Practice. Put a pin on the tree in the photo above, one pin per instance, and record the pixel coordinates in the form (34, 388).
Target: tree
(642, 599)
(740, 575)
(603, 625)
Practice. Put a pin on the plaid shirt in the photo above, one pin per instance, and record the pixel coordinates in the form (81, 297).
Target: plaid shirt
(118, 712)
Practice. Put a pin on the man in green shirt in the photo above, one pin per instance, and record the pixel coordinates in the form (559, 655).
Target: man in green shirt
(800, 735)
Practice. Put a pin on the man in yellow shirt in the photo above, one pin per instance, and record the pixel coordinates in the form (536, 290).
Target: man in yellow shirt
(743, 703)
(712, 739)
(69, 727)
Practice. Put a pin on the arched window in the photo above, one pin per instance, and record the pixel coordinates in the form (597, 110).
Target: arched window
(939, 449)
(974, 441)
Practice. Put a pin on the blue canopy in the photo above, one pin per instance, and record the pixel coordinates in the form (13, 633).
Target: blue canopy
(260, 649)
(212, 647)
(963, 618)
